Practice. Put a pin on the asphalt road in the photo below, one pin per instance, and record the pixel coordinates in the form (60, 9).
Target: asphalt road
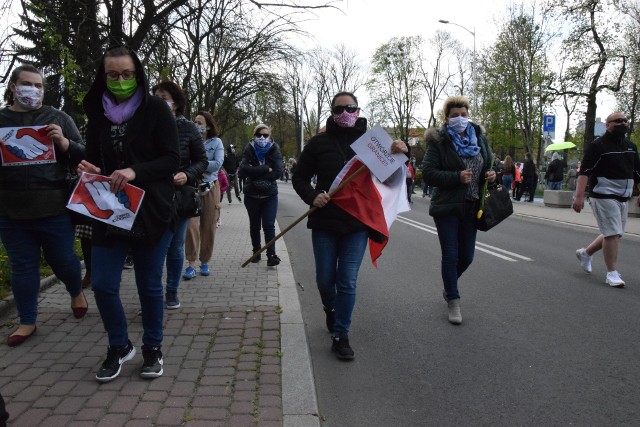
(541, 343)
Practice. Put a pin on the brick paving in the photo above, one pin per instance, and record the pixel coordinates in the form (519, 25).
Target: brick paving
(222, 352)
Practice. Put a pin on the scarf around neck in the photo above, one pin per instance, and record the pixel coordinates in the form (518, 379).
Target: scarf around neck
(261, 152)
(466, 146)
(120, 113)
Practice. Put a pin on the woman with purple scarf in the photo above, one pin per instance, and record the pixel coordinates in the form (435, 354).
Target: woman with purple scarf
(131, 138)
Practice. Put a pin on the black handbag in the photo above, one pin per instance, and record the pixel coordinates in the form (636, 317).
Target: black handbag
(495, 206)
(187, 199)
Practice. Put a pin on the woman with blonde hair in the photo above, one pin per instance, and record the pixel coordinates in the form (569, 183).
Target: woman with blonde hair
(457, 163)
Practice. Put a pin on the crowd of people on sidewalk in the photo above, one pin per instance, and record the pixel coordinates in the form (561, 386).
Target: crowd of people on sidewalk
(140, 136)
(134, 135)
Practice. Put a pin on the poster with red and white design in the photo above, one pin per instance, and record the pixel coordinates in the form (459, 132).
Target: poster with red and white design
(27, 145)
(92, 197)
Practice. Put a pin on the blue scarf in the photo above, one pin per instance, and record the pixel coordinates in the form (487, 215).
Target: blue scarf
(261, 152)
(466, 146)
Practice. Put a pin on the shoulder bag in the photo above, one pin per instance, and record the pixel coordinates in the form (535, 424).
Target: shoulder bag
(187, 199)
(495, 206)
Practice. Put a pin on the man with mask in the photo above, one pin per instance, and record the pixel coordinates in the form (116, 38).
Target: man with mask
(610, 166)
(33, 196)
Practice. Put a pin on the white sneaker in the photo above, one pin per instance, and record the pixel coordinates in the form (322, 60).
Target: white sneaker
(585, 260)
(613, 279)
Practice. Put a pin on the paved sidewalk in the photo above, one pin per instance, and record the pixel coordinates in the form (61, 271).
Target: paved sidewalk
(235, 353)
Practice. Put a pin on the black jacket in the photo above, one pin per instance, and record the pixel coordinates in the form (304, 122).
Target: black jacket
(325, 155)
(42, 190)
(251, 169)
(441, 168)
(554, 171)
(193, 159)
(150, 147)
(231, 162)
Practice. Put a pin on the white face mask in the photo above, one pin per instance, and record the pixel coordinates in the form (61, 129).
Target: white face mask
(458, 124)
(170, 104)
(28, 97)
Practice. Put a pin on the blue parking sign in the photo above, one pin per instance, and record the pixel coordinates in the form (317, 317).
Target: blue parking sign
(549, 123)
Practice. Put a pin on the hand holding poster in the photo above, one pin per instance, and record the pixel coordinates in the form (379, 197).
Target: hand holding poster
(374, 149)
(26, 146)
(92, 197)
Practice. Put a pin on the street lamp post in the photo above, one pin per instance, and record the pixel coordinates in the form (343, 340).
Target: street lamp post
(473, 61)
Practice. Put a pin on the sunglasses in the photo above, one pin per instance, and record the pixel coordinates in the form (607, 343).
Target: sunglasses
(338, 109)
(264, 135)
(620, 120)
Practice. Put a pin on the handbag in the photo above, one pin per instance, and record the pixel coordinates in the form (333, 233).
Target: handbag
(187, 199)
(495, 206)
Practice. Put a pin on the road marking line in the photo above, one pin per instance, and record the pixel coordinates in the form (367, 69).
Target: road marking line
(482, 247)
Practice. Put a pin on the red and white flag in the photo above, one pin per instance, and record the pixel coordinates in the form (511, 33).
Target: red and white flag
(374, 203)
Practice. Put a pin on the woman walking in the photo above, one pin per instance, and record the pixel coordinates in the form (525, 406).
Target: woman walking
(457, 163)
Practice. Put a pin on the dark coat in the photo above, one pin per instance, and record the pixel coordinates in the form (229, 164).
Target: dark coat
(251, 169)
(441, 168)
(325, 155)
(151, 150)
(41, 190)
(554, 171)
(193, 159)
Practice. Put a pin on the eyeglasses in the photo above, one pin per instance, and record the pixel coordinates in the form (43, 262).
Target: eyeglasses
(264, 135)
(126, 75)
(338, 109)
(620, 120)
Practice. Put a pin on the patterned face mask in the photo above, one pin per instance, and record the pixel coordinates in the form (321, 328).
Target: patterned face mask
(29, 97)
(345, 119)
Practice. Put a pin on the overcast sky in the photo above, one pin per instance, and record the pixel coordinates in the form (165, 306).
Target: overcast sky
(364, 25)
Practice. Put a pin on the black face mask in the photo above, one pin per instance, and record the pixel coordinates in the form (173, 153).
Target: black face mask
(620, 130)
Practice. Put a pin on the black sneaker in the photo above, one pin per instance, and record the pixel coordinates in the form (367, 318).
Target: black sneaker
(341, 347)
(273, 260)
(152, 365)
(128, 263)
(330, 318)
(116, 356)
(172, 300)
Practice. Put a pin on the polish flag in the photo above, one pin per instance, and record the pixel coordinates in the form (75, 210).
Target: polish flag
(374, 203)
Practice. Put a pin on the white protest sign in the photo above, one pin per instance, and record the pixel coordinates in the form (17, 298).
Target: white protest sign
(374, 150)
(29, 145)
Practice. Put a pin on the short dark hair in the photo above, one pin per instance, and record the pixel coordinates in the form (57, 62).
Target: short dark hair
(179, 100)
(211, 123)
(15, 74)
(339, 94)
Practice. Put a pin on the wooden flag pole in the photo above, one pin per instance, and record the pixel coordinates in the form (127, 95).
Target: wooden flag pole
(306, 214)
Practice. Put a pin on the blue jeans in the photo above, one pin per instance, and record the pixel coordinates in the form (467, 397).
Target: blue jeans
(458, 242)
(23, 240)
(262, 214)
(554, 185)
(106, 273)
(175, 255)
(507, 181)
(338, 258)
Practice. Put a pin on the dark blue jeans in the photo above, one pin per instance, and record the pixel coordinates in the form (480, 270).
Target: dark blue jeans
(106, 273)
(338, 259)
(23, 240)
(262, 214)
(175, 255)
(458, 242)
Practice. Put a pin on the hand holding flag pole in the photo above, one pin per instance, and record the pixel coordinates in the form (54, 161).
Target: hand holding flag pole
(306, 214)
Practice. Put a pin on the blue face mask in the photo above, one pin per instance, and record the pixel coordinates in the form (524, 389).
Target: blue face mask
(261, 141)
(201, 129)
(458, 124)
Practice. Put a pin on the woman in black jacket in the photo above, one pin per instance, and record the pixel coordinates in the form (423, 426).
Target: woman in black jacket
(262, 165)
(456, 163)
(193, 163)
(339, 239)
(132, 138)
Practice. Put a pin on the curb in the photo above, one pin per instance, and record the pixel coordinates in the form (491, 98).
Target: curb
(299, 400)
